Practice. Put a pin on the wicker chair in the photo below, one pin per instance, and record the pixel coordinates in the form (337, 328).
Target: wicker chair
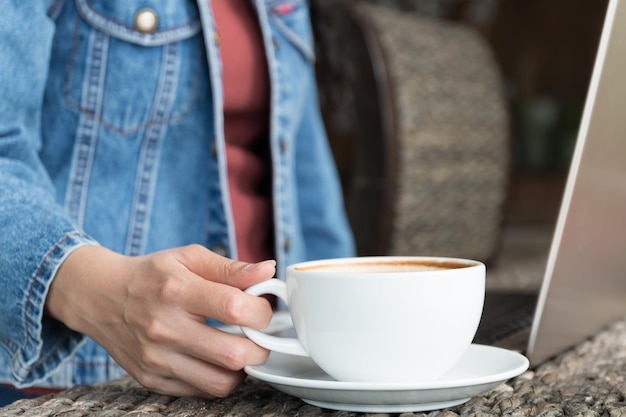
(418, 123)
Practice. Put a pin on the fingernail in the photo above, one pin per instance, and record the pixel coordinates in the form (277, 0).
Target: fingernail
(252, 267)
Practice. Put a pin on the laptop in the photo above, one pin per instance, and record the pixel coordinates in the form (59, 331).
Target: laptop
(584, 284)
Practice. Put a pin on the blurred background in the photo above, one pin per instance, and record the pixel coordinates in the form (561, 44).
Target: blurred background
(525, 64)
(545, 50)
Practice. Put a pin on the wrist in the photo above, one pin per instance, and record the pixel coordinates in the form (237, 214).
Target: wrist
(86, 275)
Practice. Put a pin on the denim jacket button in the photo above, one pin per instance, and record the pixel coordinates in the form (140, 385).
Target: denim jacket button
(276, 44)
(287, 245)
(146, 20)
(219, 249)
(282, 145)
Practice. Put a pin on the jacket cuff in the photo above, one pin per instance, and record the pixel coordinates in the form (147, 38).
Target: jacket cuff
(48, 342)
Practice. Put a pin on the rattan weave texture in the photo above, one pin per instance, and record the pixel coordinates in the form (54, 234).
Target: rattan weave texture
(452, 132)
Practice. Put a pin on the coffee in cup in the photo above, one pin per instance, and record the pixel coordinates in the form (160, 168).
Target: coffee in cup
(379, 319)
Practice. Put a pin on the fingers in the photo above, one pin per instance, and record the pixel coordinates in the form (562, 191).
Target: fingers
(216, 268)
(210, 362)
(231, 306)
(218, 291)
(168, 347)
(194, 338)
(225, 350)
(176, 315)
(192, 378)
(188, 358)
(200, 298)
(171, 386)
(206, 378)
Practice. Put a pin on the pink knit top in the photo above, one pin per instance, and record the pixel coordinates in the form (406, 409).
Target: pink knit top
(246, 125)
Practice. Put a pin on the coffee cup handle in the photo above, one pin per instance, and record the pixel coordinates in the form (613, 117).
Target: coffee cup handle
(289, 345)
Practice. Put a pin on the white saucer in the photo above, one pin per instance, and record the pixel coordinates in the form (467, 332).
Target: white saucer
(480, 369)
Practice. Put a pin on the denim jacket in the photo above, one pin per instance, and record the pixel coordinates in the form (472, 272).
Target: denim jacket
(113, 135)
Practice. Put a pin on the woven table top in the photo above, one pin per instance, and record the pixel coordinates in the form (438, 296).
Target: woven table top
(587, 380)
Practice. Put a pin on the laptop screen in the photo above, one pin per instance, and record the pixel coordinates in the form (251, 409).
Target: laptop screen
(584, 288)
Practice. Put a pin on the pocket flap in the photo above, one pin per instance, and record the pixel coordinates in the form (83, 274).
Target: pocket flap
(174, 20)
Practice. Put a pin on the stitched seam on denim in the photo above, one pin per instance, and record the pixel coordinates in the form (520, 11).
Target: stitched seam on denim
(147, 168)
(272, 3)
(91, 364)
(87, 131)
(77, 107)
(129, 33)
(295, 39)
(28, 337)
(93, 11)
(217, 229)
(70, 66)
(138, 128)
(223, 230)
(9, 345)
(53, 351)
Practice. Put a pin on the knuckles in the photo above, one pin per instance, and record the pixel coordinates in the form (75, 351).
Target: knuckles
(223, 386)
(234, 357)
(156, 332)
(234, 307)
(225, 390)
(172, 289)
(149, 381)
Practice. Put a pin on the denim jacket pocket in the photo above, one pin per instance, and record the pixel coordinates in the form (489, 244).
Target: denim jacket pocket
(291, 19)
(175, 20)
(127, 72)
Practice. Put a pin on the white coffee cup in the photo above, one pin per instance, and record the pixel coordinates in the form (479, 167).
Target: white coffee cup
(379, 319)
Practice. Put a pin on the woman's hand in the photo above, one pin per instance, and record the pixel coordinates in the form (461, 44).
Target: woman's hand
(149, 311)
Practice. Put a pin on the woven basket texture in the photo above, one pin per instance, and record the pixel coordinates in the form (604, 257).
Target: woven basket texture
(453, 150)
(589, 380)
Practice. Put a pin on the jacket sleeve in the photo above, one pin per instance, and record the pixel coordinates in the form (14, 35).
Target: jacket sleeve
(35, 233)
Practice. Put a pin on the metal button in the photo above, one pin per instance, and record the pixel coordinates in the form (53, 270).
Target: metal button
(146, 20)
(276, 43)
(287, 245)
(282, 145)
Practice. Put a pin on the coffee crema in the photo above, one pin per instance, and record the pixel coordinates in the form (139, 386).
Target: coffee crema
(373, 267)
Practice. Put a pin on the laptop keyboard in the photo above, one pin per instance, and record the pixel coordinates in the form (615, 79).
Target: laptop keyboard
(504, 314)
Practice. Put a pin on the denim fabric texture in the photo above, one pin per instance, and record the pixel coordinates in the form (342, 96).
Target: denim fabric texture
(111, 136)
